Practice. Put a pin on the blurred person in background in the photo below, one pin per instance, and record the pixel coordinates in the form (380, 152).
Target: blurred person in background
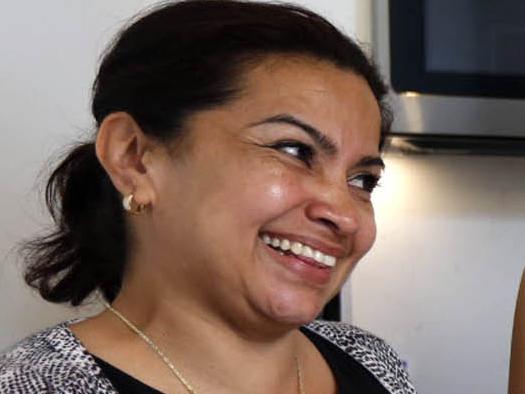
(517, 355)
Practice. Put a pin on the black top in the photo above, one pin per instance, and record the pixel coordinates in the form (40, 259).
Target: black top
(351, 377)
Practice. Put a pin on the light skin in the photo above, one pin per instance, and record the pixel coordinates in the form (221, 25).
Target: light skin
(200, 281)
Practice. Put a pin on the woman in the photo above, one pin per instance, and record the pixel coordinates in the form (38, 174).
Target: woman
(224, 200)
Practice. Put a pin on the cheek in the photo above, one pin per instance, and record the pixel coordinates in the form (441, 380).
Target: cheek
(273, 194)
(367, 231)
(237, 200)
(363, 241)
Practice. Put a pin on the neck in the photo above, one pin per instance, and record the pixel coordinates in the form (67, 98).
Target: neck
(237, 354)
(169, 298)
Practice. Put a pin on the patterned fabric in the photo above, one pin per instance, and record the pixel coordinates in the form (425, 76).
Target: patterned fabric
(370, 351)
(54, 361)
(51, 361)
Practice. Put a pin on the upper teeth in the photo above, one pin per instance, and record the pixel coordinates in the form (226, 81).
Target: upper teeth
(300, 249)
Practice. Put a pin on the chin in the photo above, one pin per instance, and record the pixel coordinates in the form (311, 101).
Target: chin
(294, 309)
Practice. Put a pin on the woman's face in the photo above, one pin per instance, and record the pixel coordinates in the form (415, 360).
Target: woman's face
(294, 158)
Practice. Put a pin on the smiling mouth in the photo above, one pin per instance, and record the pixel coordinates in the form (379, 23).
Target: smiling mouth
(305, 253)
(307, 269)
(303, 259)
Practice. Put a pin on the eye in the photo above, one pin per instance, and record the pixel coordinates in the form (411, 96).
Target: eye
(299, 150)
(365, 181)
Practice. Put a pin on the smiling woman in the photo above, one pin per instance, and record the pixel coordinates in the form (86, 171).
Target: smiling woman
(223, 201)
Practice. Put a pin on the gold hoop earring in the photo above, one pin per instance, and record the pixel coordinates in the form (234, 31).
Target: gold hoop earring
(131, 207)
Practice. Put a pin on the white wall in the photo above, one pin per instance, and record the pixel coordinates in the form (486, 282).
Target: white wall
(441, 282)
(49, 52)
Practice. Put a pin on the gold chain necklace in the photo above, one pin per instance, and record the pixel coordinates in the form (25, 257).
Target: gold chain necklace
(170, 365)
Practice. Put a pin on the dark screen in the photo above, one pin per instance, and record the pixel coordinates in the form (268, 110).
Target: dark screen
(475, 36)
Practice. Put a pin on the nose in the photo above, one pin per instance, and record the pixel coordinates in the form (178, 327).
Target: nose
(334, 208)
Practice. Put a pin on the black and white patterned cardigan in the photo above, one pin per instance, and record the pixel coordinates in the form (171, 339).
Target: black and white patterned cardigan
(54, 361)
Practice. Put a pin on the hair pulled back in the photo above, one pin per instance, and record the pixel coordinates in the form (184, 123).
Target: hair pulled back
(179, 58)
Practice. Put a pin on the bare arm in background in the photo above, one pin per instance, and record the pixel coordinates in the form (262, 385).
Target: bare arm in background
(517, 356)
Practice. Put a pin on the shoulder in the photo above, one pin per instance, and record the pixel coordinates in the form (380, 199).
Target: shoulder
(51, 360)
(370, 351)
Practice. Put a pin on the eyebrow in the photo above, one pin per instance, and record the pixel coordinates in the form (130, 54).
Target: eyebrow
(326, 144)
(371, 161)
(322, 140)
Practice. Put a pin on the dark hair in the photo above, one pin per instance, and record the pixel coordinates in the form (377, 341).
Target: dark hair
(179, 58)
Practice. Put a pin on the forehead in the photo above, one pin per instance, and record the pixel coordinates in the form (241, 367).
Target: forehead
(334, 99)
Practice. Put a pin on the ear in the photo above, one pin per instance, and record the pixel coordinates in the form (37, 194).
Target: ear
(122, 149)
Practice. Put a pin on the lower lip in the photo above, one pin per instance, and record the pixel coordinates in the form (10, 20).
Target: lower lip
(306, 270)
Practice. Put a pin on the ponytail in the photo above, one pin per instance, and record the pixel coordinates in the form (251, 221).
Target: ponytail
(87, 249)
